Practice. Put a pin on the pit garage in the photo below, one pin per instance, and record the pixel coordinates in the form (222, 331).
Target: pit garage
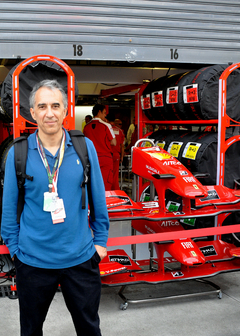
(114, 49)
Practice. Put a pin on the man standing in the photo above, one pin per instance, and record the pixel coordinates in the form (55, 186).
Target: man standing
(54, 243)
(130, 131)
(118, 150)
(102, 136)
(86, 120)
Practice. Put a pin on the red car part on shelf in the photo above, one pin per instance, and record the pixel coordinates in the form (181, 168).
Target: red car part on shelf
(152, 217)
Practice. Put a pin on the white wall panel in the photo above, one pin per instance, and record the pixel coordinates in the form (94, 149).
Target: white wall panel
(190, 31)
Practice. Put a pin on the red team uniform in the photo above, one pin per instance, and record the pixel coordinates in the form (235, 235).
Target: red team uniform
(101, 134)
(116, 156)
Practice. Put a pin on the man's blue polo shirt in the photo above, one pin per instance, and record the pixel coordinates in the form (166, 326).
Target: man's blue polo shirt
(37, 241)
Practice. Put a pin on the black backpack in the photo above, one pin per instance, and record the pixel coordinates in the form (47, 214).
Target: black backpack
(20, 153)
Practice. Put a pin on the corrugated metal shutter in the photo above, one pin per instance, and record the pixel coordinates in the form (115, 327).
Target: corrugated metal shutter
(193, 31)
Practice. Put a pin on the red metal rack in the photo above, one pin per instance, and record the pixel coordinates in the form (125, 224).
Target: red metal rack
(19, 123)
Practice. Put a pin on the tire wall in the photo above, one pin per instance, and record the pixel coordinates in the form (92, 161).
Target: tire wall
(29, 76)
(191, 95)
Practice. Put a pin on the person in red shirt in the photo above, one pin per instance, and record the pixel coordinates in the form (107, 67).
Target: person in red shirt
(103, 138)
(118, 150)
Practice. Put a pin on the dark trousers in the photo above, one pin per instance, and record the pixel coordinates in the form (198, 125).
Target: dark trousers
(81, 289)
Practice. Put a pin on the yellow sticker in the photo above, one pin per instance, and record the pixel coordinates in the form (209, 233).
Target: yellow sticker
(147, 144)
(194, 253)
(160, 144)
(195, 186)
(174, 150)
(191, 150)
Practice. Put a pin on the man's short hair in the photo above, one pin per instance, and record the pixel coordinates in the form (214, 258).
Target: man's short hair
(88, 116)
(97, 108)
(51, 84)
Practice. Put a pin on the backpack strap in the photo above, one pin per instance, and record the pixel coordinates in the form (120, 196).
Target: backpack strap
(79, 143)
(20, 158)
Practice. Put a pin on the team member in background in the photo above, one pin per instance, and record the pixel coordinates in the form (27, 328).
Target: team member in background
(119, 124)
(86, 120)
(130, 131)
(118, 150)
(103, 138)
(54, 243)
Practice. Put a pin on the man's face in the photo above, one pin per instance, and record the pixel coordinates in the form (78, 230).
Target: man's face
(48, 111)
(102, 115)
(87, 120)
(118, 123)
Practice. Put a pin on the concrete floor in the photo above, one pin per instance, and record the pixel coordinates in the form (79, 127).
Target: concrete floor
(187, 316)
(198, 316)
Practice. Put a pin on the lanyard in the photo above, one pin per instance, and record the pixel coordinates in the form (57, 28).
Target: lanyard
(52, 176)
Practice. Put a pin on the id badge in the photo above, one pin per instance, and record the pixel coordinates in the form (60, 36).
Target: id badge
(58, 214)
(49, 203)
